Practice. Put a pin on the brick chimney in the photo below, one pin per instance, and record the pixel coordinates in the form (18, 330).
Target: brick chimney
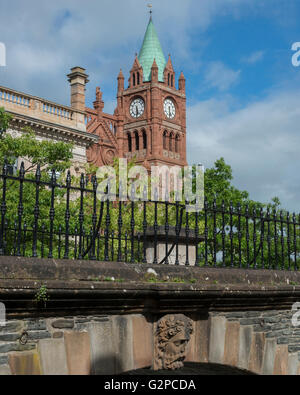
(78, 79)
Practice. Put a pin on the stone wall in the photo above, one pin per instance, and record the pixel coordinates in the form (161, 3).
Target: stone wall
(256, 341)
(79, 345)
(103, 317)
(261, 342)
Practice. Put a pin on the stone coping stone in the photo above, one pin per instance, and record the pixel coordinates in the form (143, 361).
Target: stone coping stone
(76, 286)
(14, 269)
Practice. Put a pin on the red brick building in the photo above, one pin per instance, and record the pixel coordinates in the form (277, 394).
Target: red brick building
(149, 123)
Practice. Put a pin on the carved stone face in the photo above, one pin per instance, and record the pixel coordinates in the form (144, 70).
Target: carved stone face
(175, 352)
(172, 337)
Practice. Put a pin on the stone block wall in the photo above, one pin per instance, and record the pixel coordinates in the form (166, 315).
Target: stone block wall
(75, 346)
(262, 342)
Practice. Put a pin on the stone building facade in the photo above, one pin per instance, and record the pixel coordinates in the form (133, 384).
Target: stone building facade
(50, 120)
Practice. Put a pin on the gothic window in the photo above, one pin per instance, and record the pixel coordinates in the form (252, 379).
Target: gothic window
(168, 79)
(138, 78)
(137, 141)
(172, 80)
(129, 143)
(171, 142)
(177, 144)
(133, 79)
(144, 139)
(165, 135)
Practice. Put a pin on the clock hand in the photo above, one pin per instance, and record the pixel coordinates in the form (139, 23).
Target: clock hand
(137, 111)
(169, 111)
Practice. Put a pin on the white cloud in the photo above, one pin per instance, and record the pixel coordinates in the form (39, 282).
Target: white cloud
(254, 57)
(260, 142)
(35, 60)
(219, 76)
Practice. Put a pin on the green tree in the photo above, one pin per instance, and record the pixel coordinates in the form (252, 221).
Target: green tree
(48, 154)
(255, 235)
(5, 119)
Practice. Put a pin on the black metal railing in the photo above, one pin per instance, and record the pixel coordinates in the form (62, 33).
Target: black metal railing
(250, 237)
(42, 217)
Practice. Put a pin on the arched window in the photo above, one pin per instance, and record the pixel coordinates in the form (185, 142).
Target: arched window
(133, 79)
(172, 80)
(144, 139)
(171, 142)
(177, 140)
(138, 78)
(137, 141)
(129, 143)
(168, 79)
(165, 136)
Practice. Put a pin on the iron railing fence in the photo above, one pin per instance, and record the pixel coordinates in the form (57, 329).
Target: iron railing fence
(41, 217)
(250, 237)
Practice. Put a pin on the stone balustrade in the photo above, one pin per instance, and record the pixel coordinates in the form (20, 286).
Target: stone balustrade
(12, 97)
(23, 104)
(57, 111)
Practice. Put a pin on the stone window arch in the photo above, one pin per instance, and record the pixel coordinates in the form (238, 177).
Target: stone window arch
(145, 142)
(171, 142)
(137, 141)
(129, 142)
(165, 138)
(177, 143)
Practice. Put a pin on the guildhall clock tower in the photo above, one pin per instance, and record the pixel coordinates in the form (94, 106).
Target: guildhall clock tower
(149, 123)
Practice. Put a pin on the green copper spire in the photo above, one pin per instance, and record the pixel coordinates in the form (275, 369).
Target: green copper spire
(151, 49)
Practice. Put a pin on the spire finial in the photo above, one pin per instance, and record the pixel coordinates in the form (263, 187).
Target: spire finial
(149, 5)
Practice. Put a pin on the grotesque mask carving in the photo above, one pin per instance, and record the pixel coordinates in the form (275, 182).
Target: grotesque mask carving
(171, 339)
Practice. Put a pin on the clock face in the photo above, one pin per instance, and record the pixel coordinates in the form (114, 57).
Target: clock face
(169, 108)
(137, 108)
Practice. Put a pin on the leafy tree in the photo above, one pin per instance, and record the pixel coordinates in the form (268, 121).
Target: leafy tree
(242, 231)
(48, 154)
(4, 120)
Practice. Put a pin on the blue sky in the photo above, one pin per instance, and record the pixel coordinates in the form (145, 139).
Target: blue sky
(242, 90)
